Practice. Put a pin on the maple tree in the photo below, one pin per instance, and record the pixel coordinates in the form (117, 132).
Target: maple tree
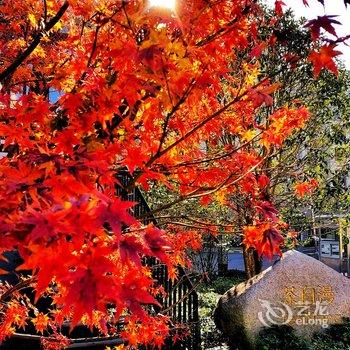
(90, 89)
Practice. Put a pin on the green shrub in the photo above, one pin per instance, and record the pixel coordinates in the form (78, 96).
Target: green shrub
(209, 294)
(336, 337)
(281, 338)
(221, 284)
(207, 303)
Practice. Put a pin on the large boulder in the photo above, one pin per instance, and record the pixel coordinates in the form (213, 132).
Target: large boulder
(298, 291)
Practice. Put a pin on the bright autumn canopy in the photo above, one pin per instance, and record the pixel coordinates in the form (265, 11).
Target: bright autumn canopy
(93, 88)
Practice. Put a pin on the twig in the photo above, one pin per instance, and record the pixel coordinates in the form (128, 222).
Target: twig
(218, 157)
(23, 284)
(184, 296)
(75, 343)
(194, 194)
(173, 111)
(124, 2)
(223, 30)
(206, 120)
(45, 11)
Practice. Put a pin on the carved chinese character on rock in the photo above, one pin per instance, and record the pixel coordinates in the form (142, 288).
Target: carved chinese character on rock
(308, 295)
(290, 295)
(327, 294)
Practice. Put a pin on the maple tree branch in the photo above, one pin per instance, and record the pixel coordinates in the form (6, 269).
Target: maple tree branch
(76, 342)
(192, 289)
(197, 227)
(94, 46)
(223, 30)
(45, 11)
(167, 83)
(206, 120)
(194, 194)
(163, 207)
(186, 217)
(124, 2)
(157, 155)
(85, 22)
(218, 157)
(224, 108)
(173, 111)
(23, 284)
(23, 82)
(25, 54)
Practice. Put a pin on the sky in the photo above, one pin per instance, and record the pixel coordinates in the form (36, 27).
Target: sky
(332, 7)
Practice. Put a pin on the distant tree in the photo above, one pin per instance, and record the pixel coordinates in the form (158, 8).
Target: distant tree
(312, 171)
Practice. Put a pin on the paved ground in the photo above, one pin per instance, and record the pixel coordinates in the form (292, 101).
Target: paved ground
(236, 262)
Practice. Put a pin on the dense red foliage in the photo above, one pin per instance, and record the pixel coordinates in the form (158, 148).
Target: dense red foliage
(137, 88)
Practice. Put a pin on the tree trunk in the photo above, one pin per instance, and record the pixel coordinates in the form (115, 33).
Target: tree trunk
(252, 262)
(222, 258)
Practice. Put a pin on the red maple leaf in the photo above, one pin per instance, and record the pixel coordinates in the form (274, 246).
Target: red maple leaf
(130, 248)
(279, 7)
(304, 188)
(265, 238)
(324, 59)
(325, 22)
(267, 210)
(263, 180)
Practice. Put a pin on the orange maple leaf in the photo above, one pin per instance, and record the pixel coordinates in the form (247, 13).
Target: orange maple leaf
(265, 238)
(40, 322)
(304, 188)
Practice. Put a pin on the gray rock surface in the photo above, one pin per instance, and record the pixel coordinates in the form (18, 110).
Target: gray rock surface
(298, 291)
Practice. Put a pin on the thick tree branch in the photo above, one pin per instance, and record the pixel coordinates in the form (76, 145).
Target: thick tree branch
(25, 54)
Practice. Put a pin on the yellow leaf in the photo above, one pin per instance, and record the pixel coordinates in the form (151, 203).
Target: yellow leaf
(249, 135)
(32, 20)
(220, 196)
(58, 25)
(39, 52)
